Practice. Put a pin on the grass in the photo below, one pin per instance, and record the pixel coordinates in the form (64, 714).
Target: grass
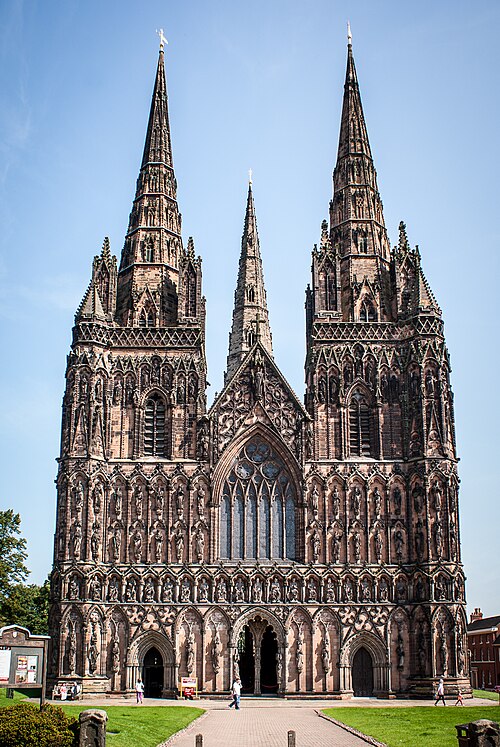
(131, 726)
(147, 726)
(408, 727)
(486, 694)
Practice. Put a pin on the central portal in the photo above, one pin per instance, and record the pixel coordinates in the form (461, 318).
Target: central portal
(153, 674)
(257, 658)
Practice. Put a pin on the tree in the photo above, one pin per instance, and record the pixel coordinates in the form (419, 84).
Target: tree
(12, 553)
(27, 606)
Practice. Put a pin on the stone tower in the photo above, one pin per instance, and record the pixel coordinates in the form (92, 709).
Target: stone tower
(311, 549)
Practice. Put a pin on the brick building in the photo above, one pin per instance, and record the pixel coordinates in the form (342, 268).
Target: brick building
(312, 547)
(483, 641)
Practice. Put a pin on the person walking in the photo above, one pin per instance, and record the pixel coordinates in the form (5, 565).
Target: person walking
(139, 691)
(236, 691)
(460, 700)
(440, 693)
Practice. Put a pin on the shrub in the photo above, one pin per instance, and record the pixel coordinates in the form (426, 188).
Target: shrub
(24, 725)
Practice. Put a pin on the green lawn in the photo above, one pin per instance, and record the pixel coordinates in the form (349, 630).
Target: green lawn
(408, 727)
(486, 694)
(131, 726)
(147, 726)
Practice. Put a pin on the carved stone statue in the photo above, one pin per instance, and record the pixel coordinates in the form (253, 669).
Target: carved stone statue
(398, 501)
(203, 590)
(137, 546)
(76, 539)
(348, 591)
(419, 540)
(315, 500)
(200, 544)
(377, 503)
(79, 496)
(383, 591)
(356, 502)
(438, 538)
(400, 650)
(438, 496)
(366, 590)
(158, 545)
(330, 591)
(239, 590)
(312, 591)
(258, 374)
(139, 500)
(149, 591)
(179, 546)
(118, 502)
(299, 654)
(316, 545)
(443, 652)
(275, 591)
(93, 652)
(74, 588)
(399, 544)
(190, 656)
(325, 656)
(335, 503)
(113, 590)
(200, 503)
(378, 544)
(115, 656)
(95, 542)
(160, 503)
(221, 590)
(179, 503)
(293, 591)
(131, 590)
(216, 652)
(185, 590)
(336, 540)
(72, 648)
(257, 590)
(356, 544)
(116, 543)
(168, 589)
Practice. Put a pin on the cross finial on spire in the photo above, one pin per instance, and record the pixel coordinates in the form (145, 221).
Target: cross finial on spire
(163, 39)
(349, 35)
(250, 172)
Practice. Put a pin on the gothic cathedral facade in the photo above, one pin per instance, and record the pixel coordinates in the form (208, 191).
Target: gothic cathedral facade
(312, 547)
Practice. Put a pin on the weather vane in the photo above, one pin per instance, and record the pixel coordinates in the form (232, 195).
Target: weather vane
(250, 172)
(163, 39)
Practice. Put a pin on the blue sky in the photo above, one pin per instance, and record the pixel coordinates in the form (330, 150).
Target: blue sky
(250, 85)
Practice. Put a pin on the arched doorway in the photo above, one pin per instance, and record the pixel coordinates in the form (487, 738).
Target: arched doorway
(257, 655)
(268, 659)
(362, 673)
(153, 673)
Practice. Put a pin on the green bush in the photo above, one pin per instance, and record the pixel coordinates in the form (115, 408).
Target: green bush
(24, 725)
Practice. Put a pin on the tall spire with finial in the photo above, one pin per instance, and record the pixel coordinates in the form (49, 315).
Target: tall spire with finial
(250, 315)
(150, 256)
(356, 216)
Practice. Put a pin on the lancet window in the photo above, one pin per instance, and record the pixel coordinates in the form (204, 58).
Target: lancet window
(155, 441)
(257, 513)
(359, 426)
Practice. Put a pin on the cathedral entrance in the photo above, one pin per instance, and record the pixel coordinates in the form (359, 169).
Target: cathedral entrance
(257, 652)
(153, 674)
(268, 658)
(362, 673)
(246, 660)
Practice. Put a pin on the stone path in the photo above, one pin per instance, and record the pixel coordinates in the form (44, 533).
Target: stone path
(265, 727)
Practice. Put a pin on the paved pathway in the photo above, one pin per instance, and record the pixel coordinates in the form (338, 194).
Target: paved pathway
(265, 727)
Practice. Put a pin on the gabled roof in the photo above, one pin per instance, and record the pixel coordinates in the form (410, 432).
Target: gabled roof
(486, 623)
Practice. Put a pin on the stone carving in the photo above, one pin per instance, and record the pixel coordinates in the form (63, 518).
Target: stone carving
(179, 503)
(200, 503)
(257, 590)
(335, 503)
(239, 590)
(93, 652)
(399, 543)
(443, 652)
(383, 591)
(293, 591)
(76, 539)
(168, 589)
(366, 590)
(336, 540)
(113, 590)
(258, 376)
(315, 500)
(316, 545)
(118, 502)
(115, 656)
(378, 545)
(221, 590)
(116, 542)
(185, 590)
(398, 501)
(356, 546)
(330, 591)
(95, 590)
(190, 655)
(299, 653)
(179, 545)
(203, 590)
(74, 588)
(149, 591)
(199, 544)
(97, 498)
(95, 541)
(400, 650)
(216, 652)
(312, 591)
(160, 503)
(418, 502)
(72, 648)
(325, 655)
(275, 591)
(377, 503)
(438, 538)
(356, 502)
(348, 590)
(139, 501)
(131, 590)
(419, 540)
(158, 545)
(79, 496)
(137, 546)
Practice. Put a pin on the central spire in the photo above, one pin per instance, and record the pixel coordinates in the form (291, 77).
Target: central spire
(250, 316)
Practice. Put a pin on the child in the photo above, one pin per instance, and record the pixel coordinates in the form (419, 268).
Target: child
(460, 700)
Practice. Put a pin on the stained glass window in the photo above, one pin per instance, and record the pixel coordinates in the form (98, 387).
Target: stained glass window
(257, 516)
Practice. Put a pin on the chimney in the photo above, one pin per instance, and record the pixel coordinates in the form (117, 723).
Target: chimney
(476, 615)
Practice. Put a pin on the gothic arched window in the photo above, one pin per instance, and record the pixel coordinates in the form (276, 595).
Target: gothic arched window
(257, 514)
(367, 312)
(155, 427)
(359, 426)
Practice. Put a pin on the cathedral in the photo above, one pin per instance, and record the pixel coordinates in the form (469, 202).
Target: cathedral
(310, 547)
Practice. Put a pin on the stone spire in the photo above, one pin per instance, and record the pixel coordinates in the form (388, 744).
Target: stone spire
(356, 216)
(153, 244)
(250, 316)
